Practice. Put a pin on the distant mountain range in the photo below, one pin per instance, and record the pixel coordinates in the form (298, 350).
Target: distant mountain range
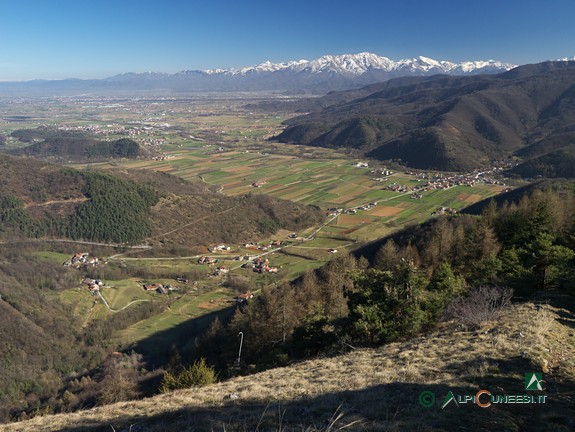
(453, 123)
(316, 76)
(354, 65)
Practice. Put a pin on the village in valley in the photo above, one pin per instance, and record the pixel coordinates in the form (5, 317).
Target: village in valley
(84, 262)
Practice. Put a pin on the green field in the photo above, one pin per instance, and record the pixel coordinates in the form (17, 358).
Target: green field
(55, 257)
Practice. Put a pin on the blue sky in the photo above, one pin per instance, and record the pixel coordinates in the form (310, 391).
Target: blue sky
(94, 39)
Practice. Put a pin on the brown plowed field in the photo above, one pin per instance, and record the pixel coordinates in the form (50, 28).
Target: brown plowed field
(469, 198)
(385, 211)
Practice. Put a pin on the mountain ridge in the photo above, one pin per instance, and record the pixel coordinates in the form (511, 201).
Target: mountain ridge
(447, 122)
(329, 72)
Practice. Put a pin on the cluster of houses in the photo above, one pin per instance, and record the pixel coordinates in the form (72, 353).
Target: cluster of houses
(395, 187)
(159, 288)
(260, 265)
(367, 206)
(162, 157)
(336, 211)
(220, 271)
(259, 184)
(82, 259)
(434, 181)
(478, 176)
(263, 247)
(444, 211)
(441, 181)
(93, 285)
(333, 211)
(244, 298)
(97, 129)
(362, 165)
(219, 248)
(382, 174)
(207, 260)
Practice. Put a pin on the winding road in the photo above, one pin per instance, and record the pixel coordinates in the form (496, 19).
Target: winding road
(120, 310)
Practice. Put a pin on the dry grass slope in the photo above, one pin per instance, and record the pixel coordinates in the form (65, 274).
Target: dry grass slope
(376, 389)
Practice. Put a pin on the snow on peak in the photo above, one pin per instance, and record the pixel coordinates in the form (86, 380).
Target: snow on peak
(358, 64)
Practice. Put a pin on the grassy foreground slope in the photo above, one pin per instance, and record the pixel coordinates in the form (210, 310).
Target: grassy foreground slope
(377, 389)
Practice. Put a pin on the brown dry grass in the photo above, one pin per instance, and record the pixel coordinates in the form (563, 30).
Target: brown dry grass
(469, 198)
(353, 219)
(372, 389)
(385, 211)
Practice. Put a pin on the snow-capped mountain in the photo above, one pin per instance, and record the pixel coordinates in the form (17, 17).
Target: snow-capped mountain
(358, 64)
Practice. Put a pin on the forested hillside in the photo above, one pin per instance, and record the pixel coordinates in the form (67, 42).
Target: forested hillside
(555, 164)
(38, 200)
(448, 123)
(60, 145)
(50, 359)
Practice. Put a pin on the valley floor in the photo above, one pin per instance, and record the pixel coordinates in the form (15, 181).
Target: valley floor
(378, 389)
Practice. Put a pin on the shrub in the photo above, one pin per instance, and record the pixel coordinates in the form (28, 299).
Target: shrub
(482, 305)
(197, 375)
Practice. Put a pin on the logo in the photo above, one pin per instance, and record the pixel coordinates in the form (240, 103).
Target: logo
(485, 399)
(450, 397)
(426, 399)
(533, 381)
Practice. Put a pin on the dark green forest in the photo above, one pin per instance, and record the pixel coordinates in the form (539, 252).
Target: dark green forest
(117, 210)
(555, 164)
(40, 200)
